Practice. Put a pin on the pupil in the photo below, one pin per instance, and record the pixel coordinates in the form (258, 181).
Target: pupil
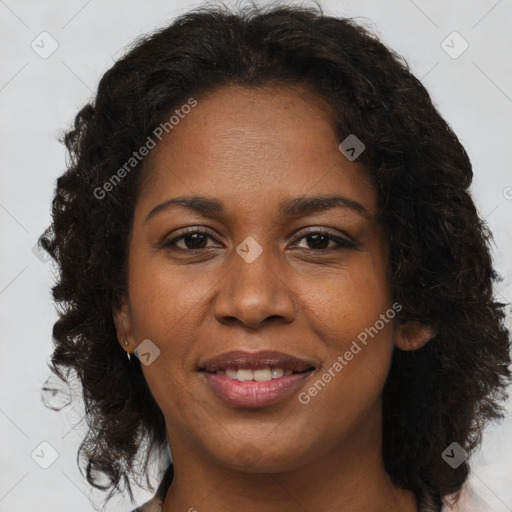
(196, 237)
(322, 245)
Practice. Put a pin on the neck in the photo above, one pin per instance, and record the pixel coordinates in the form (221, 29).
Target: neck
(350, 478)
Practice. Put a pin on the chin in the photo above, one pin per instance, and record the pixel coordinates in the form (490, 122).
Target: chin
(252, 457)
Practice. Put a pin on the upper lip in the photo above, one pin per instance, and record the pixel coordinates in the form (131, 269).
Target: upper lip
(240, 359)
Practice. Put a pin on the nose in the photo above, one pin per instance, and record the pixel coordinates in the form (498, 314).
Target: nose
(254, 292)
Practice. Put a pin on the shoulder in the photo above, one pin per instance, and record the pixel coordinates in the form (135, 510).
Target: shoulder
(153, 505)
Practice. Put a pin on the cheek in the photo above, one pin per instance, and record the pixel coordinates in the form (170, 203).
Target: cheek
(166, 309)
(357, 347)
(350, 386)
(352, 313)
(345, 302)
(163, 300)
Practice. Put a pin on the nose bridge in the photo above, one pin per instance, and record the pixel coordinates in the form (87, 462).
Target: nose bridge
(255, 264)
(255, 288)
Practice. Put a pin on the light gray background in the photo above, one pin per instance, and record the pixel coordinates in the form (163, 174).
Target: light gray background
(39, 97)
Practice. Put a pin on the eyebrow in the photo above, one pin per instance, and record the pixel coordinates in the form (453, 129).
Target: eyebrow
(297, 206)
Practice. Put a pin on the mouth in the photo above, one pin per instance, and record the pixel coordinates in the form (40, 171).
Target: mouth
(251, 380)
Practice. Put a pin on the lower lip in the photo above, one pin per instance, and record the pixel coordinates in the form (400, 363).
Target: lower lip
(253, 394)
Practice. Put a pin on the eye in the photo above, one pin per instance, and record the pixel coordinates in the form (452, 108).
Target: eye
(191, 240)
(320, 239)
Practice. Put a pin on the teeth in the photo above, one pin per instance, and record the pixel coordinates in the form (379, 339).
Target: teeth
(244, 375)
(231, 373)
(277, 373)
(259, 375)
(262, 374)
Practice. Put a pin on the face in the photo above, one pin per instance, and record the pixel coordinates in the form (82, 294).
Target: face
(261, 270)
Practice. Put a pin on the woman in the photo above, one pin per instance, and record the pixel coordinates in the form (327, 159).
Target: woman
(270, 264)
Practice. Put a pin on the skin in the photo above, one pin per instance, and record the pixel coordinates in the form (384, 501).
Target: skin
(251, 148)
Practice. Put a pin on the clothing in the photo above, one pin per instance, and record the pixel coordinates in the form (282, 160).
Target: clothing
(428, 501)
(156, 503)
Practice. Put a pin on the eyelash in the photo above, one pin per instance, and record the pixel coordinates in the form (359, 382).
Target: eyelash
(342, 243)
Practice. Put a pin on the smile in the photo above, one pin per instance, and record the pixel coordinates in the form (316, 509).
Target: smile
(260, 374)
(252, 380)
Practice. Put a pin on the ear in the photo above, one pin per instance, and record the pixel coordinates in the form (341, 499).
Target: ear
(412, 335)
(123, 322)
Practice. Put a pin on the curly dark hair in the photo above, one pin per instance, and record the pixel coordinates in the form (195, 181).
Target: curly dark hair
(439, 269)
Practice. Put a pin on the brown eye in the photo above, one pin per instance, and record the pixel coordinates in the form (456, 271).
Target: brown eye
(319, 241)
(192, 240)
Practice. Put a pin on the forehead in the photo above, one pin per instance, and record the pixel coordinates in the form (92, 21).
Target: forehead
(250, 146)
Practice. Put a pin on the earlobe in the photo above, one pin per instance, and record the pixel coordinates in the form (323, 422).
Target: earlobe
(122, 321)
(412, 335)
